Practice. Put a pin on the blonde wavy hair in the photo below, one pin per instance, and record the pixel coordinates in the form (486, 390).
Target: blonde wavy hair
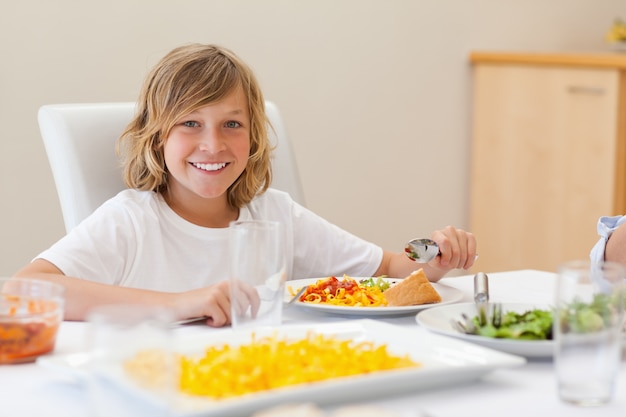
(186, 79)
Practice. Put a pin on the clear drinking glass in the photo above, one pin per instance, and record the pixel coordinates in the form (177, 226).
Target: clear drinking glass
(132, 370)
(257, 273)
(587, 330)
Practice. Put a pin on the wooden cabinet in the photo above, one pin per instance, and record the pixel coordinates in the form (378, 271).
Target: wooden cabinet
(548, 155)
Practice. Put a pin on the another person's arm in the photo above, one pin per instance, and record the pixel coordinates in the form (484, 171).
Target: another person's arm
(616, 246)
(612, 243)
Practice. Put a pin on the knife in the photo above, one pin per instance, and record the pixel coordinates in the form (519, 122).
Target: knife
(481, 297)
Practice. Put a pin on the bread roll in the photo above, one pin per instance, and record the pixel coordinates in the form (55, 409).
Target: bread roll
(412, 290)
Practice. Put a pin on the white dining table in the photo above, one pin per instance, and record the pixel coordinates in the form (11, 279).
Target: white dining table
(31, 390)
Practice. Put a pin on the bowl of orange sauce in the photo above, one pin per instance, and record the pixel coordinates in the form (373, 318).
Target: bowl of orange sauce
(30, 314)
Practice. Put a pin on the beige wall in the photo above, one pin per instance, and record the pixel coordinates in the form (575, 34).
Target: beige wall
(375, 93)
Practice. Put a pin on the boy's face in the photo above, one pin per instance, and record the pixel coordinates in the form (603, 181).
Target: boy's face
(208, 149)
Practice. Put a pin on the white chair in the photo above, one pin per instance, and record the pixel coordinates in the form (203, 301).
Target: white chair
(80, 143)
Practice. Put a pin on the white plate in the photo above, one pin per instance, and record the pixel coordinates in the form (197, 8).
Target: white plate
(448, 295)
(445, 361)
(438, 320)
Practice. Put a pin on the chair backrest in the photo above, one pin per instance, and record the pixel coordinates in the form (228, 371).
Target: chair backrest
(80, 143)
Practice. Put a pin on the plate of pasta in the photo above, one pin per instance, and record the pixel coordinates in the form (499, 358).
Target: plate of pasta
(365, 300)
(235, 372)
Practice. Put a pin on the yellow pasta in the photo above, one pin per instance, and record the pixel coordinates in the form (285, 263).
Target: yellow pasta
(270, 362)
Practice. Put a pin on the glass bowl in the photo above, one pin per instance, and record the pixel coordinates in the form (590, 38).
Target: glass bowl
(30, 314)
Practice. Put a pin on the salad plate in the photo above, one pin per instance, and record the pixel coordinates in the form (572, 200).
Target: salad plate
(438, 320)
(448, 295)
(442, 362)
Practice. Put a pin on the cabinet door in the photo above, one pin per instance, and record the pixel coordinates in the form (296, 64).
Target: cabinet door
(543, 163)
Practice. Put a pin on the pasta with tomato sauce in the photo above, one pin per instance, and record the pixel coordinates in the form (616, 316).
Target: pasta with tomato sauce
(345, 292)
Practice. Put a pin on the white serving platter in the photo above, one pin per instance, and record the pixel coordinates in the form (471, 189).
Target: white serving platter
(445, 362)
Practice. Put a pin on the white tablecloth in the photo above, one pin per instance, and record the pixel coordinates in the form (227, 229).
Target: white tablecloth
(30, 390)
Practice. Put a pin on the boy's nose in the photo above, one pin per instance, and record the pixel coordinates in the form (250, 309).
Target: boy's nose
(211, 141)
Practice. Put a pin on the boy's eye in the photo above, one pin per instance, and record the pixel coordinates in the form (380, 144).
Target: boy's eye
(191, 123)
(232, 124)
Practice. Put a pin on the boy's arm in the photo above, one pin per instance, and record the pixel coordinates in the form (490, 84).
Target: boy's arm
(81, 294)
(212, 302)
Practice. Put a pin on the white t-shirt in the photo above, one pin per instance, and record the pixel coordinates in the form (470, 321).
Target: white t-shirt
(136, 240)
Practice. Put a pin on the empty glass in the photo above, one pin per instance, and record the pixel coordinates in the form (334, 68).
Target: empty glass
(130, 347)
(257, 273)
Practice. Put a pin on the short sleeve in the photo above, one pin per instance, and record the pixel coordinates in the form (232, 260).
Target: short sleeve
(606, 227)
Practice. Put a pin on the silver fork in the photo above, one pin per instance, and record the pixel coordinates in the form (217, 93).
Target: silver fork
(496, 319)
(463, 325)
(466, 325)
(298, 294)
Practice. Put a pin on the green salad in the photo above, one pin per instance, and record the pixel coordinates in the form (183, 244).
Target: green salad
(584, 317)
(536, 324)
(531, 325)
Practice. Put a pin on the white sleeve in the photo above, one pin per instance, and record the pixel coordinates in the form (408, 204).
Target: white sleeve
(99, 248)
(606, 227)
(315, 247)
(323, 249)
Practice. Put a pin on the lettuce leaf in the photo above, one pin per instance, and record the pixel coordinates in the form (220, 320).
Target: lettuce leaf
(531, 325)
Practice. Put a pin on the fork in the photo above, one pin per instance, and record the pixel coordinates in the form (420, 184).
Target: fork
(298, 294)
(466, 325)
(497, 315)
(463, 325)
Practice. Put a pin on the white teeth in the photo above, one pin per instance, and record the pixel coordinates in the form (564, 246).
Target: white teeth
(209, 167)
